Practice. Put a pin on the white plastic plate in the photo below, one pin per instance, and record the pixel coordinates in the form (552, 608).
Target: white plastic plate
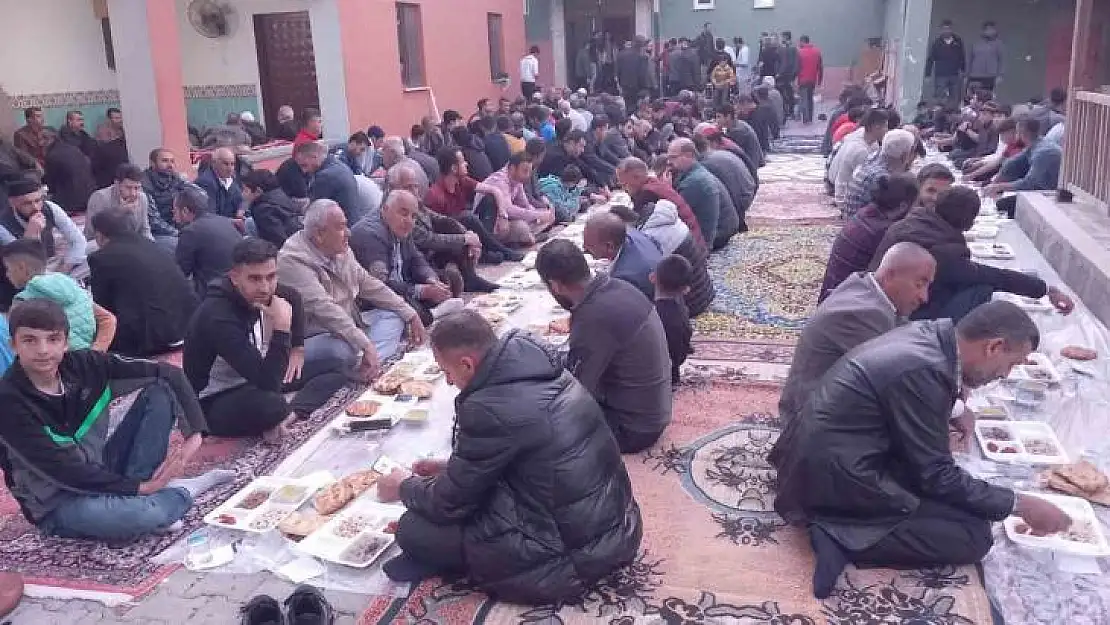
(273, 511)
(1020, 433)
(326, 544)
(1042, 371)
(1081, 512)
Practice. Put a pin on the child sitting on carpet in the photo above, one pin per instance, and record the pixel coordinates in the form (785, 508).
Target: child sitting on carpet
(90, 326)
(565, 192)
(672, 281)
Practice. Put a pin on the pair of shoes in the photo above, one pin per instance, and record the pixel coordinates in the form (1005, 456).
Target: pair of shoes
(306, 606)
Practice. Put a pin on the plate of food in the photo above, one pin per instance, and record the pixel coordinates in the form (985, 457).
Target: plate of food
(560, 325)
(980, 232)
(335, 496)
(355, 537)
(1030, 442)
(995, 251)
(261, 505)
(1028, 304)
(1038, 368)
(390, 382)
(1083, 538)
(363, 408)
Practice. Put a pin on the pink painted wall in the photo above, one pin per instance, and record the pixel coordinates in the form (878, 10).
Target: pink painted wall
(456, 58)
(166, 59)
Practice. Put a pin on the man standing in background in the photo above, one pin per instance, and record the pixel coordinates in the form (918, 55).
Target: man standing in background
(946, 63)
(788, 71)
(811, 73)
(743, 66)
(529, 72)
(985, 64)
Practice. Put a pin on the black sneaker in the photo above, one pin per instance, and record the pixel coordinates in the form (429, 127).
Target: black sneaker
(307, 606)
(262, 610)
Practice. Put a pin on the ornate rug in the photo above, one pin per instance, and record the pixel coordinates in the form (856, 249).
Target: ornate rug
(793, 168)
(714, 551)
(126, 568)
(767, 281)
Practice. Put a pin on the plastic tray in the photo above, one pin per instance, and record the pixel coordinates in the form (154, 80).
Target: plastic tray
(1043, 364)
(250, 520)
(996, 251)
(1020, 431)
(1080, 511)
(328, 545)
(1028, 304)
(980, 232)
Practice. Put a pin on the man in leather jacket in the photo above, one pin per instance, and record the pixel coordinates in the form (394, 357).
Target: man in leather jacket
(868, 467)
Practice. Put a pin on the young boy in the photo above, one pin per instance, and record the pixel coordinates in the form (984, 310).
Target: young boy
(90, 326)
(672, 281)
(72, 474)
(565, 192)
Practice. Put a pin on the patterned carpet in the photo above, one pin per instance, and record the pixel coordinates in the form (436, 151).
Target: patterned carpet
(126, 569)
(714, 551)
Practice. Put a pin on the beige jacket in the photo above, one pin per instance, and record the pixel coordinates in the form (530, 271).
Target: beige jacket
(329, 290)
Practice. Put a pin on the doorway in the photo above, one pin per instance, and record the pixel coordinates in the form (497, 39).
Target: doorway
(584, 18)
(286, 63)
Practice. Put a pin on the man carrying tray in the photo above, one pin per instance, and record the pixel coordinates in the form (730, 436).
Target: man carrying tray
(76, 472)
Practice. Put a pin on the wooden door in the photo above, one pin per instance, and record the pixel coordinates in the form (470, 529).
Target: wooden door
(286, 63)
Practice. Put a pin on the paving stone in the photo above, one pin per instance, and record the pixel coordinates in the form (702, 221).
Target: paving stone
(216, 584)
(347, 602)
(215, 611)
(161, 606)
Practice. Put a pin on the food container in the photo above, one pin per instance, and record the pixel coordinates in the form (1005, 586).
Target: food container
(1083, 538)
(1037, 368)
(1028, 304)
(261, 505)
(1029, 442)
(355, 537)
(993, 251)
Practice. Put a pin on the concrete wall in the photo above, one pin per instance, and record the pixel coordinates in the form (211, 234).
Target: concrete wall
(906, 31)
(1024, 30)
(839, 27)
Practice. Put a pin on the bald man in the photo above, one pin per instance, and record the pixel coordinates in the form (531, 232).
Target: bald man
(864, 306)
(220, 181)
(633, 255)
(384, 246)
(700, 189)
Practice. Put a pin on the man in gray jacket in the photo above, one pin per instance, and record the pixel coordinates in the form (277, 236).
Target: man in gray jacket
(737, 180)
(127, 194)
(985, 60)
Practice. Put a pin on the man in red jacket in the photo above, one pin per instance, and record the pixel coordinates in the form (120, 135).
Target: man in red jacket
(811, 73)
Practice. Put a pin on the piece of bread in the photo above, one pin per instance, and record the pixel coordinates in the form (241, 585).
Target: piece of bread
(333, 498)
(559, 326)
(417, 388)
(1075, 352)
(363, 408)
(302, 523)
(1084, 475)
(361, 481)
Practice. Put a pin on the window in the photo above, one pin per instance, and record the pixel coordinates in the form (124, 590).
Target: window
(109, 48)
(496, 46)
(704, 5)
(410, 40)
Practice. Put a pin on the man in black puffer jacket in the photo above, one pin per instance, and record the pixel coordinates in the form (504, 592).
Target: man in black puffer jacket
(534, 505)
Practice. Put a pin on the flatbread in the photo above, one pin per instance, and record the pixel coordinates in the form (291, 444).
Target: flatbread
(302, 523)
(389, 384)
(1075, 352)
(1084, 475)
(417, 388)
(559, 326)
(363, 408)
(361, 481)
(333, 498)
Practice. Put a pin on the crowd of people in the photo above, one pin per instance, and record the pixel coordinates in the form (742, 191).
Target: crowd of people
(283, 287)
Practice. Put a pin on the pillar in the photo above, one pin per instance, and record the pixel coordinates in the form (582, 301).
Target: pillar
(148, 72)
(331, 68)
(558, 45)
(1080, 45)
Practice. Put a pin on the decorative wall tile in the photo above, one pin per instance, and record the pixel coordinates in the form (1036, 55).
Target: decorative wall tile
(72, 99)
(221, 91)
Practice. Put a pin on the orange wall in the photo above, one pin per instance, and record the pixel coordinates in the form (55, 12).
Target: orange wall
(456, 58)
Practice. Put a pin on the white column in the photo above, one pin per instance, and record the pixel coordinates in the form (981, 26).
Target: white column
(643, 9)
(331, 79)
(559, 42)
(135, 77)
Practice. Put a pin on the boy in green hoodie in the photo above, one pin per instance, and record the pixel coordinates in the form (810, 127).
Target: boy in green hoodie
(90, 326)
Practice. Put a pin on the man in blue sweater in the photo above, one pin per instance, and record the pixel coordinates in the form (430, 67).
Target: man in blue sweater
(1037, 168)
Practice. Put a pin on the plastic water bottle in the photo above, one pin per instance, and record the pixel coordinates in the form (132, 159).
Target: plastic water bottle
(198, 548)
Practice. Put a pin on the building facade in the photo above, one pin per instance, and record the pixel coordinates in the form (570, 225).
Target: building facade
(361, 62)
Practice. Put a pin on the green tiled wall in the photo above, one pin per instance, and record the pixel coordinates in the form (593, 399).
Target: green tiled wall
(209, 111)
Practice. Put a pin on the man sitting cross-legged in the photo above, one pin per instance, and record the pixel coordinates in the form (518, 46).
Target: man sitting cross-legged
(534, 505)
(633, 255)
(245, 346)
(868, 468)
(73, 475)
(618, 347)
(318, 263)
(384, 246)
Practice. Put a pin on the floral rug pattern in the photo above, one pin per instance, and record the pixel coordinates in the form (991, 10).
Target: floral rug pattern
(706, 495)
(126, 568)
(767, 284)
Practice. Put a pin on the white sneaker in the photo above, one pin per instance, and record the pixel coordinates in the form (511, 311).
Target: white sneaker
(452, 305)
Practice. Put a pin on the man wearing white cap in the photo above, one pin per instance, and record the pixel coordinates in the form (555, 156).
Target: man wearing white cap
(253, 128)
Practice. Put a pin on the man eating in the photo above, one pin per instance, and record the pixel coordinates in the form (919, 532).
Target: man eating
(869, 469)
(532, 464)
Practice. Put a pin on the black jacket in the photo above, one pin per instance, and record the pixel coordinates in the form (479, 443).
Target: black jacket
(945, 59)
(68, 173)
(51, 449)
(633, 69)
(474, 151)
(204, 249)
(221, 201)
(334, 181)
(597, 172)
(872, 442)
(535, 480)
(497, 150)
(292, 179)
(161, 186)
(275, 217)
(140, 283)
(955, 269)
(223, 326)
